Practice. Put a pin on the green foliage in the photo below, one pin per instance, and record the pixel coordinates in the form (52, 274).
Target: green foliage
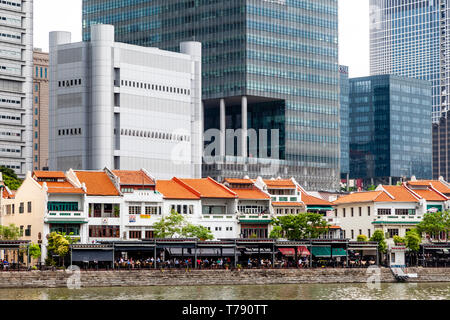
(276, 233)
(362, 238)
(175, 225)
(301, 226)
(413, 240)
(371, 188)
(199, 232)
(434, 223)
(169, 227)
(378, 236)
(399, 240)
(35, 251)
(10, 178)
(58, 244)
(11, 232)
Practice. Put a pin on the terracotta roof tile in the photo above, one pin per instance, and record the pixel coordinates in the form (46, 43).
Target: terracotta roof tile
(138, 177)
(438, 185)
(250, 194)
(208, 188)
(280, 184)
(239, 181)
(287, 204)
(173, 190)
(49, 174)
(311, 200)
(430, 195)
(97, 183)
(400, 193)
(369, 196)
(62, 187)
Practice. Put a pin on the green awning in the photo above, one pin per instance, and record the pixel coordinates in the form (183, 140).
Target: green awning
(256, 221)
(396, 222)
(320, 208)
(321, 252)
(339, 252)
(66, 222)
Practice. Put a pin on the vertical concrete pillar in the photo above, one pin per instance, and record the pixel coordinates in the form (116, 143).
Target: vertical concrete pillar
(222, 127)
(194, 49)
(244, 126)
(102, 103)
(56, 38)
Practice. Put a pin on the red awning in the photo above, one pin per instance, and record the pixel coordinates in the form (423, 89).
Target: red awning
(287, 251)
(301, 251)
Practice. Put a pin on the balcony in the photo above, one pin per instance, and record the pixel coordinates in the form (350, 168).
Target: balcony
(255, 218)
(396, 219)
(59, 214)
(65, 217)
(104, 210)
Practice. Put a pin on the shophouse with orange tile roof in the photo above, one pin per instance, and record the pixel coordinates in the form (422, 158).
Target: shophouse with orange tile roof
(289, 197)
(142, 204)
(103, 204)
(393, 209)
(47, 201)
(205, 201)
(255, 212)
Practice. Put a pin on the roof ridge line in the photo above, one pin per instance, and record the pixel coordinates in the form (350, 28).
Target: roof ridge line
(384, 190)
(418, 197)
(186, 186)
(438, 192)
(223, 187)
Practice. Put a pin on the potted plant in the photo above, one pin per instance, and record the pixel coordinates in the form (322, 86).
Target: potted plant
(239, 267)
(116, 211)
(227, 266)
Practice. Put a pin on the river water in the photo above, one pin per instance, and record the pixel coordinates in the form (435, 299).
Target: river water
(396, 291)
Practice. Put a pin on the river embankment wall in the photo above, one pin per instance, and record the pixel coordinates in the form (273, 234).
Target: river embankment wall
(139, 278)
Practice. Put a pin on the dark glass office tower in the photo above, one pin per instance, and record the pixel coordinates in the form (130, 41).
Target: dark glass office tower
(390, 129)
(344, 84)
(267, 64)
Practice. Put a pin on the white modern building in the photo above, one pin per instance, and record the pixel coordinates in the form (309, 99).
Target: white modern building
(16, 82)
(124, 107)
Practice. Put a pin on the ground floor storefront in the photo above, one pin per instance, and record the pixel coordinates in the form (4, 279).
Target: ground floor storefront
(233, 253)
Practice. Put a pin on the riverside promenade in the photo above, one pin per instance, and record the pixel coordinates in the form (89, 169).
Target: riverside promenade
(184, 277)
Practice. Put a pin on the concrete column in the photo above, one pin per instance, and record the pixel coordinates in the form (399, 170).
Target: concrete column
(244, 126)
(56, 38)
(194, 49)
(222, 127)
(102, 96)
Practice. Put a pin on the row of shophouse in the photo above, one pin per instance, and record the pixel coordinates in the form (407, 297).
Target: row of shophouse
(112, 205)
(121, 205)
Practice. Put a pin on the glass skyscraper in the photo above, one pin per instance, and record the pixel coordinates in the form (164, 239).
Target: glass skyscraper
(344, 84)
(411, 38)
(267, 64)
(390, 129)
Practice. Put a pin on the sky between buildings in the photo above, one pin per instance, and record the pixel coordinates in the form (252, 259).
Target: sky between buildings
(65, 15)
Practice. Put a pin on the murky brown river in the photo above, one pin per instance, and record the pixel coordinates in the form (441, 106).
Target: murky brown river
(397, 291)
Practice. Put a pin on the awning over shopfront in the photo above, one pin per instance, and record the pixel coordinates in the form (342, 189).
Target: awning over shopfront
(321, 252)
(65, 222)
(325, 252)
(82, 255)
(302, 251)
(203, 252)
(320, 208)
(339, 252)
(267, 221)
